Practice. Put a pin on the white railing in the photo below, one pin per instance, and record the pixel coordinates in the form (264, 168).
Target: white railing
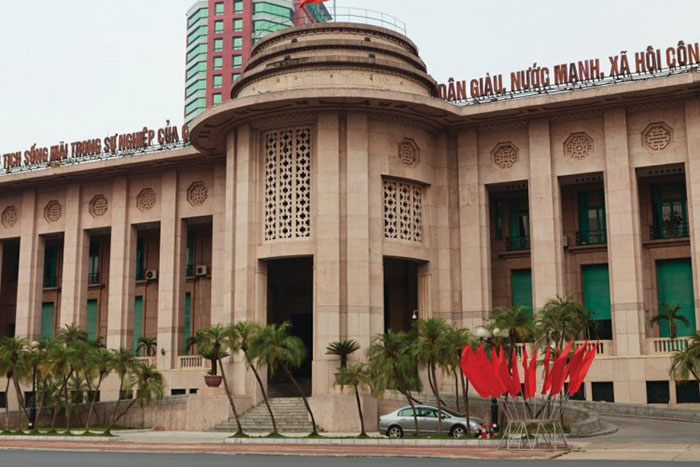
(192, 361)
(604, 348)
(661, 345)
(146, 360)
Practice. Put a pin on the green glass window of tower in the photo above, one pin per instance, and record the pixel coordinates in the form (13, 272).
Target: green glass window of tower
(196, 33)
(265, 26)
(218, 62)
(237, 43)
(218, 45)
(197, 15)
(238, 6)
(198, 85)
(237, 61)
(235, 76)
(219, 9)
(217, 81)
(219, 26)
(197, 68)
(237, 25)
(216, 98)
(272, 9)
(194, 52)
(196, 105)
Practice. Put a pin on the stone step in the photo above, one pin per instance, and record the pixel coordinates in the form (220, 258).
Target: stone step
(290, 413)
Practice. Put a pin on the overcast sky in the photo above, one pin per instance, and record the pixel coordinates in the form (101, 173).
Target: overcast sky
(78, 69)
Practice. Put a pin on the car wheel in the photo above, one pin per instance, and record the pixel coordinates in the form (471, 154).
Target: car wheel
(394, 431)
(458, 431)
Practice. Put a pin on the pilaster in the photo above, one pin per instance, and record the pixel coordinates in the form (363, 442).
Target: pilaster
(75, 252)
(692, 174)
(31, 266)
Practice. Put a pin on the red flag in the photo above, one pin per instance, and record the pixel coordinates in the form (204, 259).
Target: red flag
(558, 370)
(577, 379)
(515, 377)
(304, 2)
(547, 383)
(471, 369)
(531, 377)
(574, 365)
(504, 370)
(480, 384)
(499, 384)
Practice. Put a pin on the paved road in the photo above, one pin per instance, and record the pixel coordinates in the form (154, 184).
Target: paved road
(108, 459)
(643, 430)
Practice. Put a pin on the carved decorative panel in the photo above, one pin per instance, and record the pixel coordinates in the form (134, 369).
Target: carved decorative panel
(146, 199)
(409, 153)
(197, 194)
(98, 206)
(287, 197)
(53, 211)
(578, 146)
(10, 217)
(403, 210)
(657, 136)
(505, 155)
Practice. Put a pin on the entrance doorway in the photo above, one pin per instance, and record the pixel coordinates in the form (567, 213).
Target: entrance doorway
(400, 293)
(290, 298)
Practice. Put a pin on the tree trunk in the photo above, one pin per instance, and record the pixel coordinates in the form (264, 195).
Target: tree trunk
(92, 402)
(454, 371)
(437, 397)
(303, 396)
(359, 409)
(131, 404)
(20, 402)
(465, 393)
(415, 415)
(113, 421)
(37, 414)
(264, 394)
(230, 400)
(7, 405)
(68, 406)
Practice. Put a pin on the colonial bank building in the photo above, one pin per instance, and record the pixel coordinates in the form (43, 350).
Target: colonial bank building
(343, 189)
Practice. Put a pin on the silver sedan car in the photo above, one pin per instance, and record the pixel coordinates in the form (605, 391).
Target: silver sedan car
(400, 422)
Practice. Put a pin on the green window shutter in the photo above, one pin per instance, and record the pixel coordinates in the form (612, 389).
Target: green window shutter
(521, 283)
(499, 219)
(216, 99)
(514, 228)
(674, 282)
(47, 320)
(50, 258)
(237, 61)
(188, 319)
(138, 319)
(595, 282)
(190, 252)
(139, 257)
(91, 319)
(93, 273)
(583, 226)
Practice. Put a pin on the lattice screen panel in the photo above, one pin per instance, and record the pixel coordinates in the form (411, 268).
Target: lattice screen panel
(403, 210)
(288, 184)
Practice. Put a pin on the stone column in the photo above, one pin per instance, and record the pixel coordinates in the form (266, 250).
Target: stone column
(171, 274)
(545, 218)
(31, 267)
(75, 252)
(122, 268)
(219, 236)
(624, 240)
(357, 224)
(475, 246)
(692, 176)
(327, 290)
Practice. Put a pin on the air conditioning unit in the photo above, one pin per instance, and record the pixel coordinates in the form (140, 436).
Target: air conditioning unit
(151, 275)
(201, 270)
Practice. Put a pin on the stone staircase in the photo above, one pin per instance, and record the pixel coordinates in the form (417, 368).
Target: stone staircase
(290, 414)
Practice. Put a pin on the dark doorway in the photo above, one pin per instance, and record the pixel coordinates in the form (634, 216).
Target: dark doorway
(8, 287)
(290, 298)
(400, 293)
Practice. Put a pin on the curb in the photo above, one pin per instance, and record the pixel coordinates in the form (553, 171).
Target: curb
(607, 429)
(58, 438)
(364, 442)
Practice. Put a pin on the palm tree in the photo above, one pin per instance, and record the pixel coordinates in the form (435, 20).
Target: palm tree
(101, 361)
(38, 365)
(147, 346)
(12, 351)
(149, 385)
(212, 343)
(393, 366)
(687, 362)
(5, 371)
(432, 349)
(561, 319)
(123, 362)
(458, 339)
(355, 376)
(672, 315)
(342, 349)
(516, 321)
(71, 333)
(275, 348)
(241, 335)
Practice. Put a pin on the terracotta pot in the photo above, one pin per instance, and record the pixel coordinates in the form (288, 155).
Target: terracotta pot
(213, 381)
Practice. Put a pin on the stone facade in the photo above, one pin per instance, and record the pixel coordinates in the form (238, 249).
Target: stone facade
(336, 149)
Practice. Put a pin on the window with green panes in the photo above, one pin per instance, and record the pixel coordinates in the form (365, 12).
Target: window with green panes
(237, 61)
(94, 261)
(195, 69)
(200, 49)
(519, 225)
(219, 9)
(521, 287)
(218, 45)
(235, 76)
(218, 26)
(595, 285)
(237, 25)
(272, 9)
(47, 320)
(198, 85)
(669, 210)
(188, 321)
(237, 43)
(674, 283)
(138, 320)
(140, 256)
(50, 264)
(195, 105)
(91, 319)
(218, 62)
(238, 6)
(262, 25)
(217, 81)
(190, 249)
(216, 98)
(591, 218)
(201, 31)
(199, 14)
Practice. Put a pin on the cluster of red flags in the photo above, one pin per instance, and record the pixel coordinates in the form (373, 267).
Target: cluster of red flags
(495, 377)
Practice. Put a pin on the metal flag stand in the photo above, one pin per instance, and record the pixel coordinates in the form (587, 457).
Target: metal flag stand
(542, 430)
